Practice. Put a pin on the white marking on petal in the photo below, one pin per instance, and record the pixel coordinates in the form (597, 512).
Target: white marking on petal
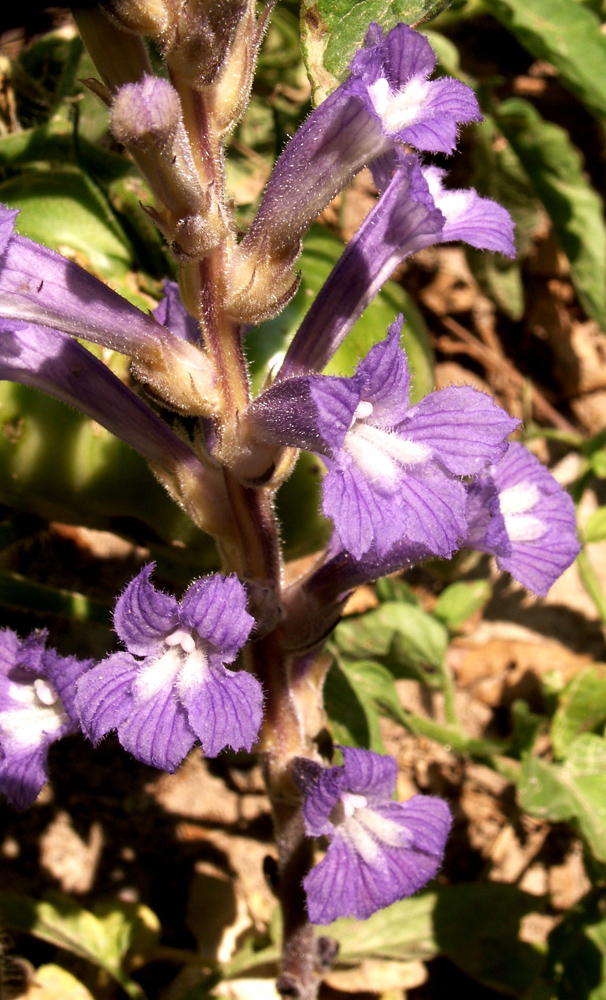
(378, 453)
(402, 108)
(194, 669)
(388, 831)
(160, 674)
(31, 721)
(518, 499)
(181, 637)
(515, 502)
(524, 528)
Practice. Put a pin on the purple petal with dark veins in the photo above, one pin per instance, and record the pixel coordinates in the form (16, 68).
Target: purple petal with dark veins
(224, 708)
(144, 616)
(370, 774)
(481, 222)
(215, 607)
(464, 428)
(22, 776)
(386, 379)
(156, 730)
(104, 695)
(321, 799)
(543, 535)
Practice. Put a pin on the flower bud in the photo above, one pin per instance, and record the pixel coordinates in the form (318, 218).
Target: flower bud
(144, 111)
(146, 117)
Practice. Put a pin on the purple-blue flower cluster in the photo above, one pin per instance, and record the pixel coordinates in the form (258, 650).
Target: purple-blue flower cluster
(404, 482)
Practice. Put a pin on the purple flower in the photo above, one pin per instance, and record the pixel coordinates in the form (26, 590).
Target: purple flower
(413, 211)
(37, 690)
(380, 850)
(386, 100)
(392, 468)
(518, 512)
(172, 686)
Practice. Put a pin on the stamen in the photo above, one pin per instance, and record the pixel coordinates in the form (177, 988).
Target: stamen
(181, 637)
(45, 692)
(351, 802)
(363, 410)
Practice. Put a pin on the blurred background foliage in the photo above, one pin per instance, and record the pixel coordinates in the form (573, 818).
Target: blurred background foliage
(484, 696)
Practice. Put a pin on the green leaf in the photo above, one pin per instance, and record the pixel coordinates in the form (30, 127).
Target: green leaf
(401, 633)
(54, 983)
(498, 174)
(63, 922)
(353, 721)
(333, 31)
(460, 601)
(565, 34)
(477, 927)
(64, 209)
(576, 962)
(555, 169)
(582, 708)
(595, 527)
(597, 460)
(61, 466)
(401, 932)
(18, 592)
(574, 791)
(266, 344)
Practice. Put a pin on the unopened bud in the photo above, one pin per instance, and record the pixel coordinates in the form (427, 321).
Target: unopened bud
(146, 117)
(145, 17)
(147, 110)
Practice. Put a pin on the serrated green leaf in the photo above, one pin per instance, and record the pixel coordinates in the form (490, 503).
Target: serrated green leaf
(401, 932)
(64, 923)
(333, 31)
(266, 345)
(460, 601)
(555, 169)
(574, 791)
(595, 526)
(581, 708)
(565, 34)
(477, 927)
